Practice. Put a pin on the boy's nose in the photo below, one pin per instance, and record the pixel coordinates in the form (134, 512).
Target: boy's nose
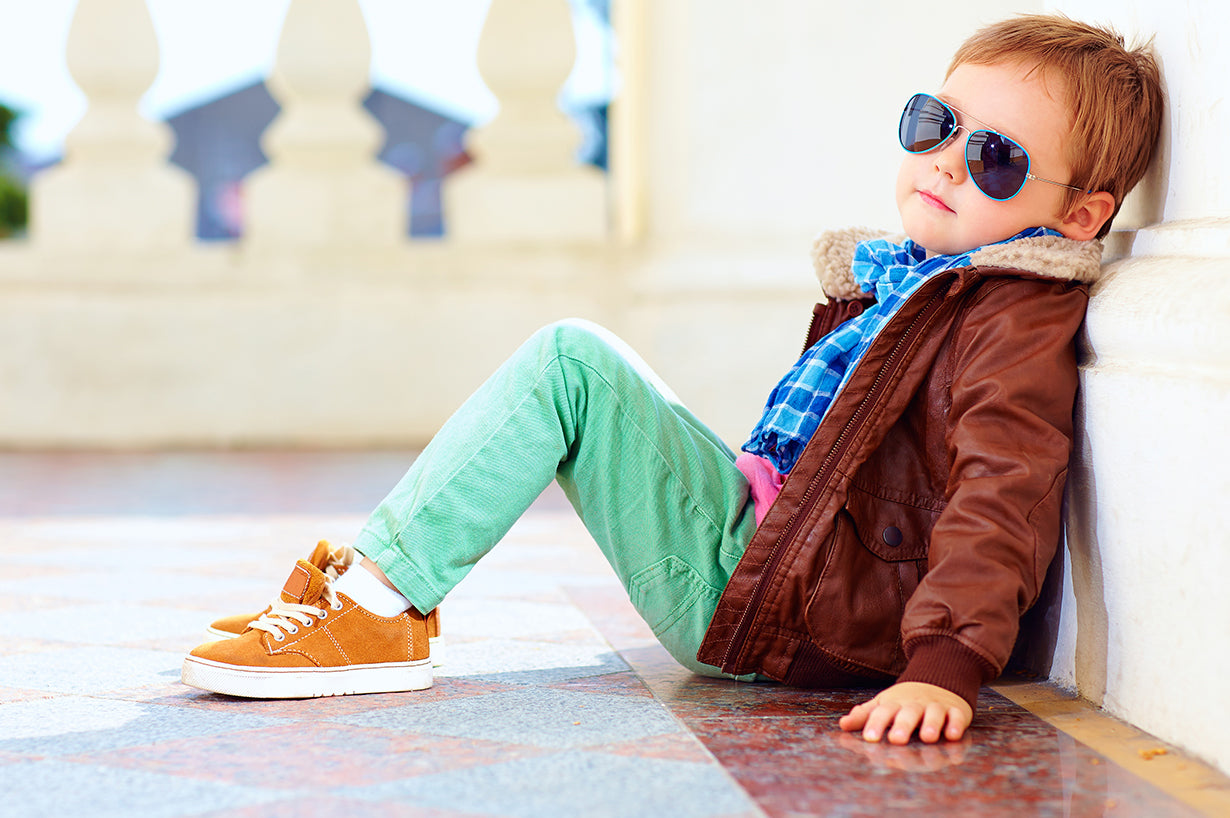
(949, 158)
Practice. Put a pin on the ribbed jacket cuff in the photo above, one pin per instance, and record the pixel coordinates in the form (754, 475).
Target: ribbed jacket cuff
(947, 663)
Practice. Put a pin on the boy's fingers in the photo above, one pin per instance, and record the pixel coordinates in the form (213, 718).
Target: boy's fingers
(879, 720)
(904, 724)
(958, 722)
(933, 723)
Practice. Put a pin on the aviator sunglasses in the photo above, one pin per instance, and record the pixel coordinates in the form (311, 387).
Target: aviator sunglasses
(998, 165)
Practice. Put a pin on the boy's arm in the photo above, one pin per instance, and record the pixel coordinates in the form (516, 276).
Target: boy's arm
(1008, 440)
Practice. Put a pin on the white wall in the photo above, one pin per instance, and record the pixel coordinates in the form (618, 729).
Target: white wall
(1146, 617)
(779, 118)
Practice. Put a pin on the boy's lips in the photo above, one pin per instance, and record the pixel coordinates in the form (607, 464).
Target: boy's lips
(935, 201)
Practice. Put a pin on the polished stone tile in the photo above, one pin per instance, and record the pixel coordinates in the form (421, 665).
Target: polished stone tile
(522, 661)
(581, 784)
(555, 699)
(109, 623)
(694, 696)
(540, 716)
(88, 669)
(783, 746)
(129, 585)
(328, 806)
(296, 756)
(55, 787)
(516, 619)
(673, 746)
(12, 694)
(71, 725)
(1008, 764)
(616, 684)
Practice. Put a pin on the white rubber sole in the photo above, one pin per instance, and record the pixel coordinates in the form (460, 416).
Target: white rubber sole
(435, 644)
(305, 683)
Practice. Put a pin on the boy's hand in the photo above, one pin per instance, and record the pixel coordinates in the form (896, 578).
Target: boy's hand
(910, 706)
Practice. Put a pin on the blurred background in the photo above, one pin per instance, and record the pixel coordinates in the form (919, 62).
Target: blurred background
(307, 224)
(210, 88)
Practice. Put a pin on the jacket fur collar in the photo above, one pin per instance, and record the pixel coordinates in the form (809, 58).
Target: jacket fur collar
(1046, 256)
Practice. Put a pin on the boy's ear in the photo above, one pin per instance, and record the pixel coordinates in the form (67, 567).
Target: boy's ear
(1086, 218)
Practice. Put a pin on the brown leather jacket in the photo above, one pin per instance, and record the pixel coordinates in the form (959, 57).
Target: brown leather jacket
(919, 522)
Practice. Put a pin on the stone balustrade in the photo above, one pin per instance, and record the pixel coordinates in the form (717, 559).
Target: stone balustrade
(325, 324)
(113, 192)
(323, 188)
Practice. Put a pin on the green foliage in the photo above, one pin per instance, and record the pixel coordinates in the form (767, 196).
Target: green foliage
(7, 117)
(14, 206)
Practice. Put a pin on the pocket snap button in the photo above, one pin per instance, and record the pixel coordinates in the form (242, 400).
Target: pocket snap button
(892, 536)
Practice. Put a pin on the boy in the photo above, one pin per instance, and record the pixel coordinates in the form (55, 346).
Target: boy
(897, 506)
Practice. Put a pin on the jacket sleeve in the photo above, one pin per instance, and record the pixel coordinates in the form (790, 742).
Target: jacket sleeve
(1008, 438)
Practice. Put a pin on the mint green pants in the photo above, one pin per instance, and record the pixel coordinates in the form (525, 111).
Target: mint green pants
(656, 489)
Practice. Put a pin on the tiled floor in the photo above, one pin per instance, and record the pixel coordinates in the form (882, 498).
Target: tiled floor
(554, 700)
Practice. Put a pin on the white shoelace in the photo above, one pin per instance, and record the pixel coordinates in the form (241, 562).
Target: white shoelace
(283, 616)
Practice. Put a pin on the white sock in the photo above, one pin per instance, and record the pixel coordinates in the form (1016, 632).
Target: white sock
(370, 593)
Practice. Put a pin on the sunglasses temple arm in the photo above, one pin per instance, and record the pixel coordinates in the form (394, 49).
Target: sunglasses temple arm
(1057, 184)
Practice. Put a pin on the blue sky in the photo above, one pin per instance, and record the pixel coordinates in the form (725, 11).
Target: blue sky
(421, 49)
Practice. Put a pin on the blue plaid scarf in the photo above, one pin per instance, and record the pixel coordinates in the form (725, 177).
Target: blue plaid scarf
(797, 405)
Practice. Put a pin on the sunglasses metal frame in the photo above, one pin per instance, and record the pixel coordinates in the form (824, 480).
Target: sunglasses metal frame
(957, 126)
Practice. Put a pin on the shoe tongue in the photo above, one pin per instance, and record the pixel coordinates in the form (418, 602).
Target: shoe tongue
(321, 554)
(305, 584)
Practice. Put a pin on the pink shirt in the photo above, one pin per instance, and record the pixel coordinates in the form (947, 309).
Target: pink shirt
(763, 479)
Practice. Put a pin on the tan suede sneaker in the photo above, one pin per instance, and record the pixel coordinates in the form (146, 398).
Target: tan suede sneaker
(334, 561)
(315, 642)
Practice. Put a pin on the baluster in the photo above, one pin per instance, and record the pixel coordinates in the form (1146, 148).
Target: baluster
(525, 183)
(113, 190)
(323, 187)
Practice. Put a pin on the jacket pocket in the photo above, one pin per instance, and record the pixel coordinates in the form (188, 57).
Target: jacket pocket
(876, 558)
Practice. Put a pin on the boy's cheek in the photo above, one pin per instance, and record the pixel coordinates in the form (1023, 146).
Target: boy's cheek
(905, 179)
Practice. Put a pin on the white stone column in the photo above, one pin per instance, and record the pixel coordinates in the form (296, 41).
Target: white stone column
(1148, 550)
(114, 190)
(323, 187)
(525, 184)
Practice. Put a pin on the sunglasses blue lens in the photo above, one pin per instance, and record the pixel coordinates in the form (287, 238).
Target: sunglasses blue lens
(997, 165)
(925, 124)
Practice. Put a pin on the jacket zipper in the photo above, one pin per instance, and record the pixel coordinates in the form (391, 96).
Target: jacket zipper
(811, 327)
(808, 500)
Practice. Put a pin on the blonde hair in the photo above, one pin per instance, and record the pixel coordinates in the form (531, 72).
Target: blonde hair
(1114, 94)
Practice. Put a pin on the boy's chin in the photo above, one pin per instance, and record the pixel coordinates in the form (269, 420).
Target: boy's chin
(935, 239)
(937, 246)
(945, 242)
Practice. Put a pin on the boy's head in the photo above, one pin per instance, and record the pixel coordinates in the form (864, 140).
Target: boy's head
(1084, 109)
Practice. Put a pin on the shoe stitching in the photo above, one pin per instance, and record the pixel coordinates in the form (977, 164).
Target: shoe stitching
(328, 629)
